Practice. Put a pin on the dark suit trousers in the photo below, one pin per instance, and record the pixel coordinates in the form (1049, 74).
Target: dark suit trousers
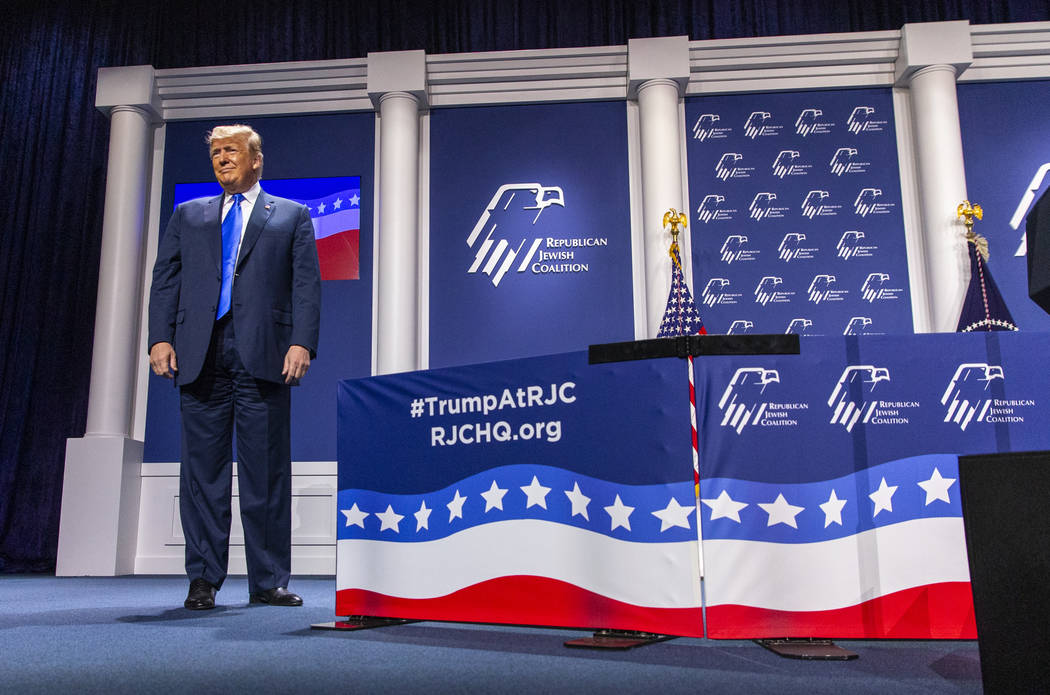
(225, 398)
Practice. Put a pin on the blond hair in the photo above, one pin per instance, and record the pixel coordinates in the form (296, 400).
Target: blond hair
(221, 132)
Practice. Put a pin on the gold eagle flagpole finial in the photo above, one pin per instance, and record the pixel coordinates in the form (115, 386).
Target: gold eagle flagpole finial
(674, 218)
(967, 211)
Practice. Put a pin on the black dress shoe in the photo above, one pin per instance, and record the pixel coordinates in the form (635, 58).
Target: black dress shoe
(276, 597)
(201, 596)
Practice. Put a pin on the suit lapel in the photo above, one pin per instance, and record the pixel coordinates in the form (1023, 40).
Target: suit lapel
(261, 211)
(212, 226)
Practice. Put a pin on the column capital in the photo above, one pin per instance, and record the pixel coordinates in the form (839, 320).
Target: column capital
(133, 85)
(933, 43)
(658, 58)
(397, 71)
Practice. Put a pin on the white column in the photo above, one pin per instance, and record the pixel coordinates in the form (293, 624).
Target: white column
(396, 84)
(115, 355)
(658, 70)
(100, 493)
(931, 57)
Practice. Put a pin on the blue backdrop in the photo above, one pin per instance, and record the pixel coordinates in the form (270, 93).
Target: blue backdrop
(544, 190)
(1006, 140)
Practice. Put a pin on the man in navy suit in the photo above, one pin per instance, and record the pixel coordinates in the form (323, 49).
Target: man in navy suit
(233, 318)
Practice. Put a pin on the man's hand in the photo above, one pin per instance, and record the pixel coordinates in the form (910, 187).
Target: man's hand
(162, 360)
(296, 362)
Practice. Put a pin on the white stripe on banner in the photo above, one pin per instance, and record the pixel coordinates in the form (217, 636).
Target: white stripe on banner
(658, 575)
(327, 225)
(839, 573)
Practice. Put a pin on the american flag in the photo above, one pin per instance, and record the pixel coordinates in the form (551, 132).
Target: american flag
(680, 316)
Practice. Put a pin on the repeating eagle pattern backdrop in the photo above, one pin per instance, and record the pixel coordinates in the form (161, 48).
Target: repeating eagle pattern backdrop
(797, 213)
(829, 480)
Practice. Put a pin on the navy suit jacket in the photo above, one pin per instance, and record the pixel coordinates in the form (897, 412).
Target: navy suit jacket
(276, 300)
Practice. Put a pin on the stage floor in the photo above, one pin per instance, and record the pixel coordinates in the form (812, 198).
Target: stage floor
(131, 634)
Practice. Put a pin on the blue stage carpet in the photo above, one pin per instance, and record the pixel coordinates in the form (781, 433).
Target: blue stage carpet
(131, 635)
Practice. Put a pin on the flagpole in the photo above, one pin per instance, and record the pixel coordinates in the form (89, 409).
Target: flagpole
(674, 219)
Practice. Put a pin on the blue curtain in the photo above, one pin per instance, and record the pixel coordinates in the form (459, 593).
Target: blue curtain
(53, 146)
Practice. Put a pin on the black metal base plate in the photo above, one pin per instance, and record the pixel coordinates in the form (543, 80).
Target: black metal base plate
(697, 345)
(617, 639)
(811, 649)
(361, 622)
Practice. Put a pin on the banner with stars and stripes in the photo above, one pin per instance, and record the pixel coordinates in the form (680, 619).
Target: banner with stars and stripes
(337, 229)
(829, 489)
(541, 491)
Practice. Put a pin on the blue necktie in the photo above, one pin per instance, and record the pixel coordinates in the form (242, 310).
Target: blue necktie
(231, 235)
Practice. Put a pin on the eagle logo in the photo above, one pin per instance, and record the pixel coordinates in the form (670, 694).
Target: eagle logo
(784, 163)
(849, 244)
(709, 208)
(761, 204)
(756, 124)
(733, 247)
(1026, 202)
(741, 402)
(790, 245)
(842, 160)
(867, 201)
(767, 289)
(807, 121)
(504, 228)
(726, 166)
(704, 126)
(814, 203)
(857, 325)
(740, 327)
(966, 395)
(713, 290)
(847, 398)
(874, 286)
(860, 119)
(820, 288)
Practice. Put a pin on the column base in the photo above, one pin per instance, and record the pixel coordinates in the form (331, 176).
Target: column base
(98, 529)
